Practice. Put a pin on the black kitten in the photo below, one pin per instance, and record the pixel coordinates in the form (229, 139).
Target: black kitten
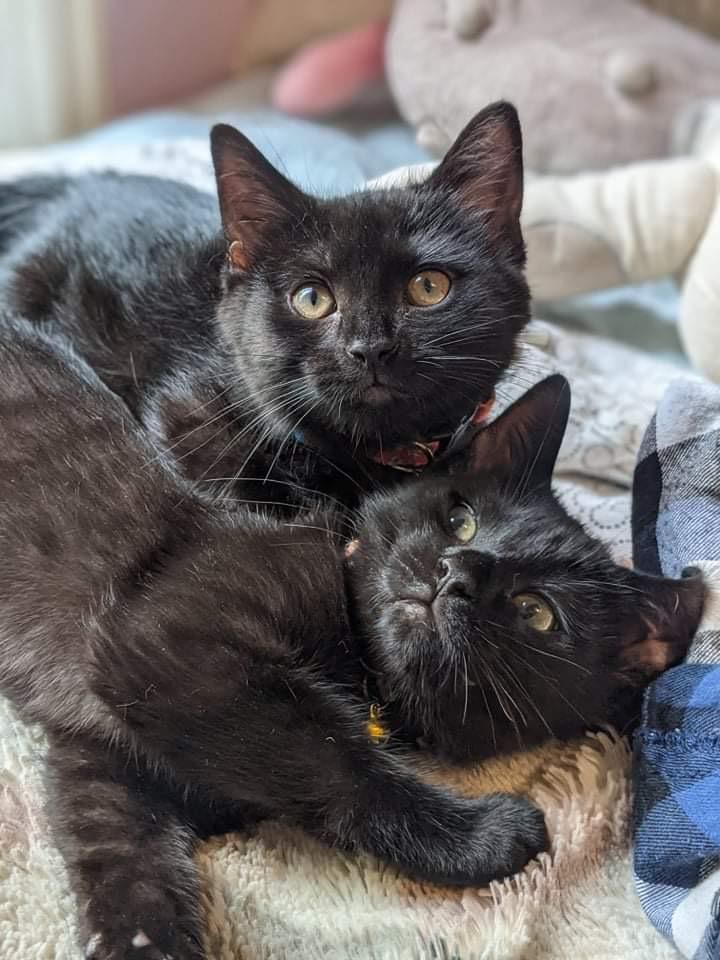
(308, 343)
(196, 669)
(496, 621)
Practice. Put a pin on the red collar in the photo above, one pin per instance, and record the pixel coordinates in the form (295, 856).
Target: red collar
(419, 454)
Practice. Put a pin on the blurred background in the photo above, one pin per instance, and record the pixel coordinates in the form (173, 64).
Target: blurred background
(68, 65)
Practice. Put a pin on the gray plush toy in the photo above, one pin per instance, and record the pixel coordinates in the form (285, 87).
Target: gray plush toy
(596, 84)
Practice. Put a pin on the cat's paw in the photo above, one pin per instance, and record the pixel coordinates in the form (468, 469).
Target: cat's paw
(122, 945)
(144, 925)
(515, 832)
(503, 833)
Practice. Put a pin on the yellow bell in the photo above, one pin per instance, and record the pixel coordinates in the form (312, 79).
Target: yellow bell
(375, 729)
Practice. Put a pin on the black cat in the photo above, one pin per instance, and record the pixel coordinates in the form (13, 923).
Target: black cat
(196, 668)
(490, 619)
(308, 343)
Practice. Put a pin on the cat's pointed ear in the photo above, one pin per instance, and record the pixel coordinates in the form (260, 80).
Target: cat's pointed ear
(665, 615)
(484, 169)
(254, 197)
(521, 446)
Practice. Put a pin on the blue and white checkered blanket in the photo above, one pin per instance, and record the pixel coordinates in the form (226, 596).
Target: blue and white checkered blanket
(676, 523)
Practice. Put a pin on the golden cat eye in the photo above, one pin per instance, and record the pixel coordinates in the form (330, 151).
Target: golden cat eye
(535, 611)
(428, 288)
(313, 301)
(462, 523)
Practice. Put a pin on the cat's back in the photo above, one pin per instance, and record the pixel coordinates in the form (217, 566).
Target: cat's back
(80, 484)
(82, 491)
(101, 215)
(103, 542)
(125, 266)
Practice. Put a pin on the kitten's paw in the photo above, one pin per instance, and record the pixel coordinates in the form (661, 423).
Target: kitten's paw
(108, 945)
(515, 832)
(143, 926)
(503, 833)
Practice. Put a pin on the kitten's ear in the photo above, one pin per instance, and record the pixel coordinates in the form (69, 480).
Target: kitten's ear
(666, 614)
(253, 195)
(520, 447)
(484, 169)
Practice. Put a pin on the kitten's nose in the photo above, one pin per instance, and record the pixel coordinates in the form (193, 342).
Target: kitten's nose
(454, 578)
(373, 353)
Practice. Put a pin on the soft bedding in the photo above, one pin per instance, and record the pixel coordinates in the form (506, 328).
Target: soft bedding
(317, 157)
(276, 893)
(676, 520)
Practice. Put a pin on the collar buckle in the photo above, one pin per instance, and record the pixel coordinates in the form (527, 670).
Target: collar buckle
(411, 459)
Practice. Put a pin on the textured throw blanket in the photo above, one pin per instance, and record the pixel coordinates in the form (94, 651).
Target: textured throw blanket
(676, 521)
(277, 894)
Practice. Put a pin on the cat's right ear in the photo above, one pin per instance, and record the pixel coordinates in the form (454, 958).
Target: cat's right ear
(520, 447)
(484, 170)
(660, 622)
(253, 195)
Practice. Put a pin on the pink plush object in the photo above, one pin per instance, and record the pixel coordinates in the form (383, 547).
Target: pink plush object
(329, 73)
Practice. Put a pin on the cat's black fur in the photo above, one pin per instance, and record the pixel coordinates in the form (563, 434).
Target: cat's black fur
(196, 668)
(456, 665)
(206, 349)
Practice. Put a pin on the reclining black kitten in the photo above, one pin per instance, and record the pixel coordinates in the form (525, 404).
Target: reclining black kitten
(489, 619)
(307, 343)
(196, 668)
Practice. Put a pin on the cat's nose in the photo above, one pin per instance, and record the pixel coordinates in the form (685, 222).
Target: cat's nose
(453, 578)
(373, 353)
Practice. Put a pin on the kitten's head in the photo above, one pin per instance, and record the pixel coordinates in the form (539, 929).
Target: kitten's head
(384, 316)
(491, 618)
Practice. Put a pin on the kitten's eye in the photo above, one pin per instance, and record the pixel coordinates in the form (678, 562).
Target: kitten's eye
(313, 301)
(462, 523)
(428, 288)
(535, 611)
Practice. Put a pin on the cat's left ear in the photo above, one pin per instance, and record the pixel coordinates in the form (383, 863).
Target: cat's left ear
(254, 197)
(665, 615)
(484, 170)
(520, 447)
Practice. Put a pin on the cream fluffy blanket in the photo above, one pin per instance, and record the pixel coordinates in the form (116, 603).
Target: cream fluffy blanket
(277, 894)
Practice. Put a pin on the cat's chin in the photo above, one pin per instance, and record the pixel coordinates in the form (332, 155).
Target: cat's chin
(418, 619)
(404, 617)
(415, 612)
(383, 417)
(378, 396)
(379, 413)
(409, 621)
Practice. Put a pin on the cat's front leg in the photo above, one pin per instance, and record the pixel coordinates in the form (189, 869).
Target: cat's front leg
(129, 857)
(296, 747)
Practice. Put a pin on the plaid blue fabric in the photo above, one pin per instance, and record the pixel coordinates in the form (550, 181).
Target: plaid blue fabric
(676, 523)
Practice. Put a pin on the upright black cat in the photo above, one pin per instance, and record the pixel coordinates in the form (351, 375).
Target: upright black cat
(196, 667)
(302, 343)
